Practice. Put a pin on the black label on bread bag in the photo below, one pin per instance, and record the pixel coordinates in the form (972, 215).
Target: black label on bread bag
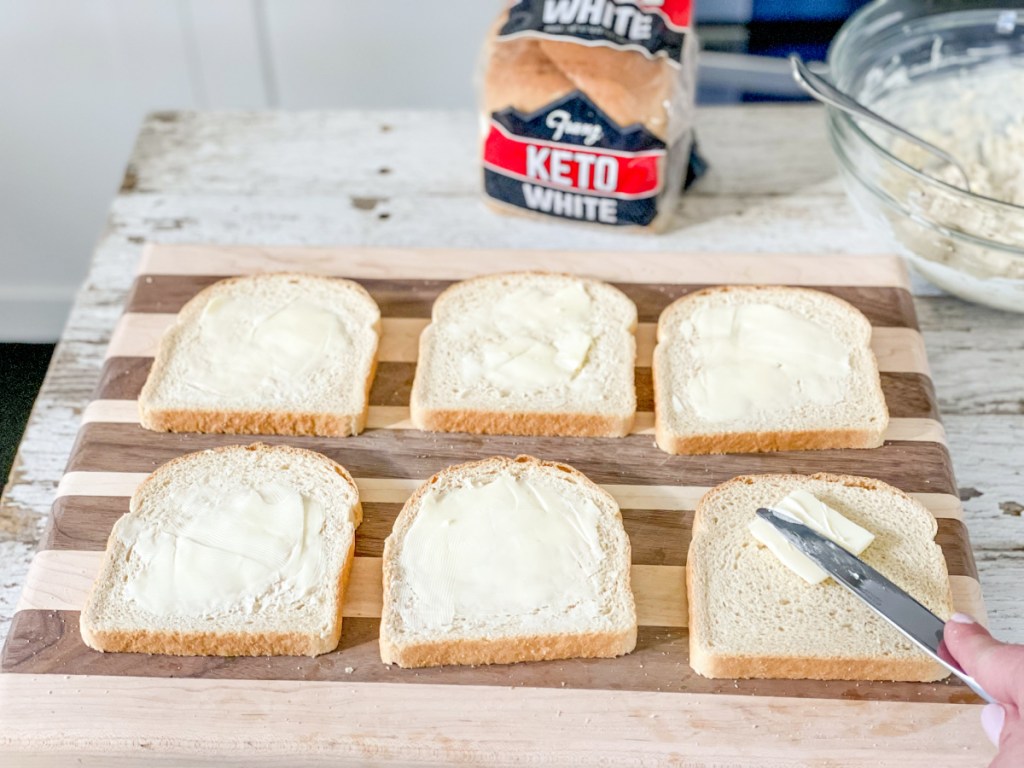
(654, 27)
(571, 160)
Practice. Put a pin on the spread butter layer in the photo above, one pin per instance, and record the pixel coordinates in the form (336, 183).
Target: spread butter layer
(232, 550)
(533, 339)
(243, 348)
(504, 548)
(754, 358)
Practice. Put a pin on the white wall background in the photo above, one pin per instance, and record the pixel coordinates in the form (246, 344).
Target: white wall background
(77, 77)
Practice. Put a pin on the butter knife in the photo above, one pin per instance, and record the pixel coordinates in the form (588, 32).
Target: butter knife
(890, 602)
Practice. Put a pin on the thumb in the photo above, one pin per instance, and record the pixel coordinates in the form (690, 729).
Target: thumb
(998, 667)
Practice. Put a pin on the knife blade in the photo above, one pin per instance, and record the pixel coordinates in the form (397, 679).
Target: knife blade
(890, 602)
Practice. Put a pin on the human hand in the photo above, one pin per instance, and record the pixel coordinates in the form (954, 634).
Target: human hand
(999, 669)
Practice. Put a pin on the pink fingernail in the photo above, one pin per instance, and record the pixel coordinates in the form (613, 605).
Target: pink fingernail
(962, 618)
(992, 718)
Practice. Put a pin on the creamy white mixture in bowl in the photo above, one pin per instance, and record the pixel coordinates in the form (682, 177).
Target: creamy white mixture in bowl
(952, 72)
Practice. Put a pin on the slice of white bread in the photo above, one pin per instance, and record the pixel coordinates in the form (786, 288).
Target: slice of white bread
(804, 376)
(275, 354)
(626, 85)
(528, 353)
(236, 551)
(519, 75)
(750, 616)
(506, 560)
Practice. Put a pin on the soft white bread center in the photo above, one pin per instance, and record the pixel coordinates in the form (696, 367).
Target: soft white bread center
(534, 339)
(502, 548)
(227, 550)
(750, 359)
(242, 348)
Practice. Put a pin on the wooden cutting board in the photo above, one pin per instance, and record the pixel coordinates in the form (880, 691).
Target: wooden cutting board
(62, 700)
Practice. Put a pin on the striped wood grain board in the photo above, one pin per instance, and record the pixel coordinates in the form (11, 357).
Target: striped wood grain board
(656, 492)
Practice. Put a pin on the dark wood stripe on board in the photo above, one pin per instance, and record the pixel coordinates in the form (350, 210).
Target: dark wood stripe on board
(657, 537)
(49, 642)
(908, 395)
(889, 307)
(913, 466)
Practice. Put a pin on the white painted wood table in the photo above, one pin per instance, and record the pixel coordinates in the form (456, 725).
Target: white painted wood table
(411, 178)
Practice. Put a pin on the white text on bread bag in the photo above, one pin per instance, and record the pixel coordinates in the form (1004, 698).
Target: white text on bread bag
(655, 28)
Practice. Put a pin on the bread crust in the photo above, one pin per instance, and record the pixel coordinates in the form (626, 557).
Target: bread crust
(178, 643)
(221, 643)
(242, 421)
(593, 645)
(741, 666)
(764, 442)
(796, 668)
(755, 441)
(525, 424)
(504, 650)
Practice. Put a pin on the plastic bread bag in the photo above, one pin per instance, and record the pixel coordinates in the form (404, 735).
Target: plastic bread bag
(588, 109)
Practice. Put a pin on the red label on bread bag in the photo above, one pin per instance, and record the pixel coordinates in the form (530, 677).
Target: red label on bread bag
(676, 12)
(620, 174)
(570, 160)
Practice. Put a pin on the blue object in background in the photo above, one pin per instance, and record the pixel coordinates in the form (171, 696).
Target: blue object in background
(803, 10)
(746, 42)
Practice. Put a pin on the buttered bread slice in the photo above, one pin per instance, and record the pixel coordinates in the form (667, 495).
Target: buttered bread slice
(280, 354)
(528, 354)
(752, 614)
(744, 369)
(237, 551)
(506, 560)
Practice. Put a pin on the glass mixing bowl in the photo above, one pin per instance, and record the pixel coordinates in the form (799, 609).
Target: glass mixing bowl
(951, 72)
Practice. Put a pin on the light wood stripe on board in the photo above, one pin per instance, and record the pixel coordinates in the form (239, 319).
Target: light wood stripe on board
(398, 490)
(397, 417)
(60, 580)
(112, 721)
(138, 335)
(458, 264)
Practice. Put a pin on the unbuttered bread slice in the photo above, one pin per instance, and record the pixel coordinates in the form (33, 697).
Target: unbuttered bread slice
(528, 353)
(746, 368)
(236, 551)
(278, 354)
(750, 616)
(506, 560)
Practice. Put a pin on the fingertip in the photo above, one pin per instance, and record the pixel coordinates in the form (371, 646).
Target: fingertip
(993, 717)
(961, 626)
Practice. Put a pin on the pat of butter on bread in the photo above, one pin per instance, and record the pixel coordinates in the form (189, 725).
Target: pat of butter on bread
(805, 508)
(528, 353)
(749, 617)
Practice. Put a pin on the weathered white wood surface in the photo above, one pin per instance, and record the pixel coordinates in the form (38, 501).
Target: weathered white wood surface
(410, 179)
